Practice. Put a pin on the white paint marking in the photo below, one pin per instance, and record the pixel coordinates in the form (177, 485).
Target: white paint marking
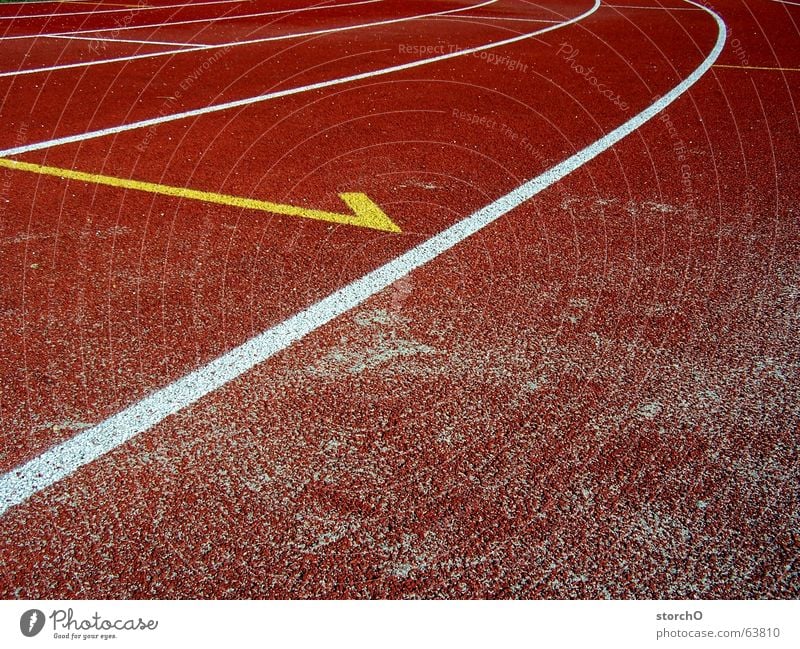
(657, 8)
(523, 20)
(28, 2)
(57, 463)
(92, 12)
(238, 43)
(216, 19)
(120, 40)
(197, 112)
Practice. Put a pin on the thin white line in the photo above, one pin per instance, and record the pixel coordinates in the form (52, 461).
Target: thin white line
(120, 40)
(196, 20)
(21, 483)
(658, 8)
(28, 2)
(129, 9)
(524, 20)
(214, 108)
(239, 43)
(786, 2)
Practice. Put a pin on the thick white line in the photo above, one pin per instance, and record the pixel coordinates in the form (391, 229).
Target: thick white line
(195, 20)
(112, 11)
(21, 483)
(58, 462)
(218, 46)
(120, 40)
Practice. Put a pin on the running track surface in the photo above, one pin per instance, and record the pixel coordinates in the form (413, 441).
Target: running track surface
(593, 395)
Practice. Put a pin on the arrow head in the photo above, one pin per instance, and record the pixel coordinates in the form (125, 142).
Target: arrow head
(367, 213)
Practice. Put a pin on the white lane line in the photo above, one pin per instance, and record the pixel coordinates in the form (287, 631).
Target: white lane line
(132, 8)
(523, 20)
(214, 108)
(217, 46)
(28, 2)
(19, 484)
(216, 19)
(121, 40)
(658, 8)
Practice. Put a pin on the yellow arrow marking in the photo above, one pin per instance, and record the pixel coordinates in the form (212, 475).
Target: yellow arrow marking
(365, 213)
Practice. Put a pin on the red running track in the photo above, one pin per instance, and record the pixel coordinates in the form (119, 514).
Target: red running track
(594, 396)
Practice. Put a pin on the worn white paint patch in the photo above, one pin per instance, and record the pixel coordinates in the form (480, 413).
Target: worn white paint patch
(649, 410)
(381, 343)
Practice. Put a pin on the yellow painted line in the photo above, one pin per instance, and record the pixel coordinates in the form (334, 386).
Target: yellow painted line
(753, 67)
(364, 213)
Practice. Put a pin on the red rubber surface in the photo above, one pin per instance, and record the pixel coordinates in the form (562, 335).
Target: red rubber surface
(595, 396)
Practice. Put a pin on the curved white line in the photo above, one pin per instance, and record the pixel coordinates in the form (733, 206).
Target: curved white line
(266, 39)
(523, 20)
(113, 11)
(119, 40)
(187, 22)
(155, 121)
(21, 483)
(655, 8)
